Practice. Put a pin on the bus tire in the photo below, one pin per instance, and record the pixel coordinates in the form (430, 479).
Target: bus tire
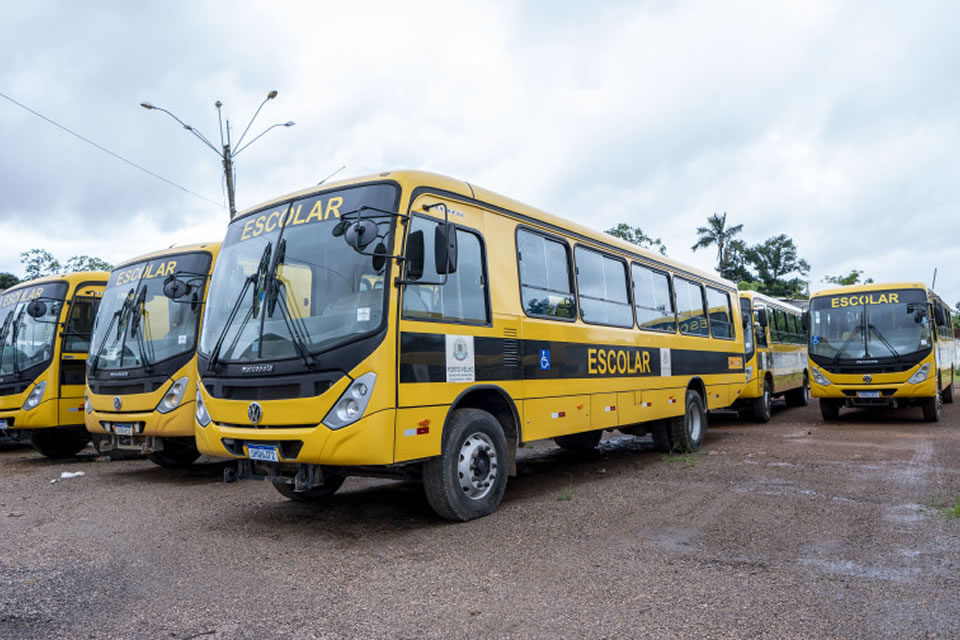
(468, 479)
(59, 442)
(763, 406)
(931, 408)
(829, 409)
(687, 431)
(799, 397)
(322, 493)
(947, 392)
(586, 441)
(661, 436)
(176, 454)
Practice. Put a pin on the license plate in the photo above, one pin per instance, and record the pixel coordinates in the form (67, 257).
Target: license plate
(3, 424)
(123, 428)
(868, 394)
(265, 452)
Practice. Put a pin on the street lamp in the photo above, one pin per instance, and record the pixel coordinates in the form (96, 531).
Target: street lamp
(226, 154)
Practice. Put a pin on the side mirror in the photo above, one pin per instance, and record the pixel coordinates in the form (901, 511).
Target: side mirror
(805, 321)
(175, 288)
(415, 255)
(939, 316)
(445, 248)
(361, 233)
(37, 308)
(762, 317)
(745, 318)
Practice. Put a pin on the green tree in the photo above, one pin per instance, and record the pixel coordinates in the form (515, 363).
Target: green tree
(717, 233)
(956, 316)
(86, 263)
(774, 260)
(637, 237)
(735, 267)
(7, 280)
(40, 262)
(851, 278)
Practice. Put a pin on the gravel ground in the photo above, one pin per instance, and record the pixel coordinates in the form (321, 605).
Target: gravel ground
(794, 529)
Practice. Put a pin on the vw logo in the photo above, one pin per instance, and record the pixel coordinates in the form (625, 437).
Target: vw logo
(868, 378)
(117, 403)
(254, 412)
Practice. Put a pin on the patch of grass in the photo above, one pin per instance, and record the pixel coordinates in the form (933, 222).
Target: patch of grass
(689, 459)
(951, 513)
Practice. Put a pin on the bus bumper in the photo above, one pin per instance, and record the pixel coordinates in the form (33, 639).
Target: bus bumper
(875, 395)
(139, 431)
(43, 416)
(369, 441)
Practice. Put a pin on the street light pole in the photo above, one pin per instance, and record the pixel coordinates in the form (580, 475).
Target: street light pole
(227, 154)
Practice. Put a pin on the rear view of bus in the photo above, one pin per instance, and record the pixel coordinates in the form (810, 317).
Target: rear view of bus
(141, 373)
(44, 337)
(888, 345)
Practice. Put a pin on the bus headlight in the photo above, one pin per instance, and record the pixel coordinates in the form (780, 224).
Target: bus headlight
(86, 403)
(173, 397)
(749, 372)
(35, 396)
(203, 418)
(351, 405)
(819, 378)
(920, 375)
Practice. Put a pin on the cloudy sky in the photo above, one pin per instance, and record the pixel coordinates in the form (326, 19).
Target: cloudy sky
(831, 123)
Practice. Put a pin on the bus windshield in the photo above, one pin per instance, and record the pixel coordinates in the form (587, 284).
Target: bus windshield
(27, 341)
(287, 284)
(137, 325)
(878, 324)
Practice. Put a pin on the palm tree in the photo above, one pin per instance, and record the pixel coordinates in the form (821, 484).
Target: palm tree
(717, 233)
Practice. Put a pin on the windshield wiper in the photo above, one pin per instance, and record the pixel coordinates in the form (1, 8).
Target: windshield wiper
(13, 340)
(272, 288)
(106, 333)
(3, 332)
(252, 279)
(136, 326)
(858, 331)
(884, 341)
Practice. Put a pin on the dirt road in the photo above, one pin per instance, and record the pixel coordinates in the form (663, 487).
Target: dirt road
(794, 529)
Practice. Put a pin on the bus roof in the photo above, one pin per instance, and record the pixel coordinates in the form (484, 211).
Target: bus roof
(212, 247)
(466, 190)
(70, 278)
(775, 302)
(873, 286)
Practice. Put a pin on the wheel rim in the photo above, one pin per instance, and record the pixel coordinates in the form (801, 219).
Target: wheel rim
(806, 390)
(477, 466)
(767, 400)
(694, 422)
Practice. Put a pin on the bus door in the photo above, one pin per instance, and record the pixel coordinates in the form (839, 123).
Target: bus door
(73, 353)
(749, 344)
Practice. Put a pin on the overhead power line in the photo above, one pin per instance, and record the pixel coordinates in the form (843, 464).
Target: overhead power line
(105, 150)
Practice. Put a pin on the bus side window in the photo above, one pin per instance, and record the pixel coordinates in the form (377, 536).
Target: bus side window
(464, 296)
(546, 288)
(83, 311)
(721, 322)
(652, 299)
(602, 287)
(760, 332)
(690, 308)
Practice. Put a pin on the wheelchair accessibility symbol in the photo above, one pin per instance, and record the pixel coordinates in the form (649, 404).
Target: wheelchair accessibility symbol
(545, 359)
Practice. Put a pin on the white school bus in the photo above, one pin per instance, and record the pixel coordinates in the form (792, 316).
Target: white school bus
(775, 355)
(888, 345)
(412, 325)
(142, 369)
(44, 336)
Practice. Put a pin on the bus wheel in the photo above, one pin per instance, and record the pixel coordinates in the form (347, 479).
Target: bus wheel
(322, 493)
(931, 408)
(176, 454)
(687, 431)
(829, 409)
(799, 397)
(947, 392)
(468, 479)
(586, 441)
(763, 406)
(59, 442)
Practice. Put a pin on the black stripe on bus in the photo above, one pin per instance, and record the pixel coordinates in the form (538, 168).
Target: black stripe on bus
(423, 358)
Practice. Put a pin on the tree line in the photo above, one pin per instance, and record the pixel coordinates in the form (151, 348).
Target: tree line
(38, 263)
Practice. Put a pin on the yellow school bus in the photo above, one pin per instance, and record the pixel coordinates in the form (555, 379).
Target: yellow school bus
(141, 373)
(889, 345)
(775, 355)
(413, 325)
(44, 337)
